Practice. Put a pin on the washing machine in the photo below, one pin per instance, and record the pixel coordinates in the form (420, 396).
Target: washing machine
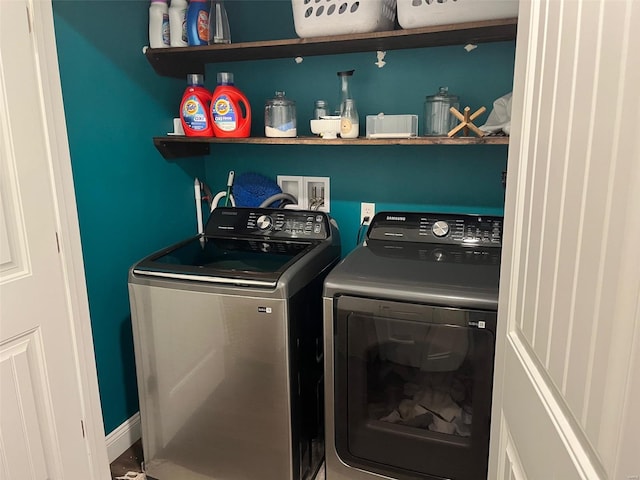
(227, 330)
(410, 324)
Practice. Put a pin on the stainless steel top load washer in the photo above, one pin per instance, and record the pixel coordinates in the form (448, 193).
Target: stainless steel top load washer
(410, 319)
(227, 333)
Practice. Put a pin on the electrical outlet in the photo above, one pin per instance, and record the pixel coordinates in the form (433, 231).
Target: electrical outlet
(367, 210)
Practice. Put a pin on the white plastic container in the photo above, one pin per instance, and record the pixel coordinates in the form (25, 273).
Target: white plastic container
(392, 126)
(313, 18)
(178, 23)
(424, 13)
(159, 24)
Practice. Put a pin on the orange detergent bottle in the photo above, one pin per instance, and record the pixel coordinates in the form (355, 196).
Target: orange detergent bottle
(194, 108)
(230, 109)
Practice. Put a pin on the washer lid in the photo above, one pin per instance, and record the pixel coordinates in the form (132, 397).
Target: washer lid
(257, 262)
(446, 275)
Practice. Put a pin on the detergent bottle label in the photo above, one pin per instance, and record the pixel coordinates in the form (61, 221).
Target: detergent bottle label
(224, 115)
(185, 39)
(194, 114)
(165, 29)
(203, 25)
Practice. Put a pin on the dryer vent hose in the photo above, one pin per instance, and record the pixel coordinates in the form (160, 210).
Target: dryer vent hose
(286, 198)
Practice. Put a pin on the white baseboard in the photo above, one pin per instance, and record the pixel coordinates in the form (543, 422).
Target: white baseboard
(123, 437)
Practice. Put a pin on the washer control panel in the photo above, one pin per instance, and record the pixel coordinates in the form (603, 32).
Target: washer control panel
(452, 229)
(268, 223)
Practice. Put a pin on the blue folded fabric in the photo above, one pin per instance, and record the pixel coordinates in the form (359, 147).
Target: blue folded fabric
(251, 189)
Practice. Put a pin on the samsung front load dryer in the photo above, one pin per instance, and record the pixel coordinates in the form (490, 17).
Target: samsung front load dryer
(227, 330)
(410, 325)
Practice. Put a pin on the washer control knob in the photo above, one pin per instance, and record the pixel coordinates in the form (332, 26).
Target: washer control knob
(264, 222)
(439, 229)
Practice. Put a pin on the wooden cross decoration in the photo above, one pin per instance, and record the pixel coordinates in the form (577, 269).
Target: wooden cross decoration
(466, 120)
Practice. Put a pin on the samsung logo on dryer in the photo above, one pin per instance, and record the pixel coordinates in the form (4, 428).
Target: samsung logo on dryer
(396, 218)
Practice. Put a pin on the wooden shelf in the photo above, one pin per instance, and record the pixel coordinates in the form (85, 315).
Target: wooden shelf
(179, 61)
(180, 146)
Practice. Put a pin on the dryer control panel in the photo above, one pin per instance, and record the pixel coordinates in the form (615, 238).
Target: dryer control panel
(451, 229)
(280, 224)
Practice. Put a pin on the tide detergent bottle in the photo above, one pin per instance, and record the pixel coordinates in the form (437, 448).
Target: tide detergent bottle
(194, 108)
(230, 109)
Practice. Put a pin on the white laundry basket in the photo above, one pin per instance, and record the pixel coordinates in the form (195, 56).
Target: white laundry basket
(317, 18)
(425, 13)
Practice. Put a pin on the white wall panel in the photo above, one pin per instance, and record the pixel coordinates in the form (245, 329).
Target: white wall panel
(578, 313)
(529, 218)
(559, 229)
(546, 173)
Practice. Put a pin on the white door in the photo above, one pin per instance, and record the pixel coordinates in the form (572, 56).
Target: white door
(43, 406)
(568, 359)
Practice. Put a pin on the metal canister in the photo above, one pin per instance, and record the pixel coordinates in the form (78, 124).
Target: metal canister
(320, 109)
(438, 120)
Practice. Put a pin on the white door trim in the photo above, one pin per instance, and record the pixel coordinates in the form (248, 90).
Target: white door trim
(123, 437)
(69, 235)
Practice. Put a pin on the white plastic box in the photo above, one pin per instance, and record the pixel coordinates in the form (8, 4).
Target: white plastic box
(425, 13)
(318, 18)
(392, 126)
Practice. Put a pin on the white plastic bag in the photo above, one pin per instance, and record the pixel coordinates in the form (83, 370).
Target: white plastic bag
(499, 120)
(132, 476)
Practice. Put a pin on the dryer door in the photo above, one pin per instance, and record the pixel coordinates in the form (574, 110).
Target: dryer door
(413, 388)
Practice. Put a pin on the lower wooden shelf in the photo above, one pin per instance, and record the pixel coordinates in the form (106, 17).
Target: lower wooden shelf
(178, 146)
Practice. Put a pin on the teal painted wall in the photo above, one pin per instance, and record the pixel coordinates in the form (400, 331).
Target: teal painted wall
(429, 178)
(130, 200)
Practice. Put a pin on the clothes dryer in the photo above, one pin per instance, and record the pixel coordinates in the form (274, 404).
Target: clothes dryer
(410, 322)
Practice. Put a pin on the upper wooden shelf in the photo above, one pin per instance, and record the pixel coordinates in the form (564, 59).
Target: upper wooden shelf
(179, 61)
(180, 146)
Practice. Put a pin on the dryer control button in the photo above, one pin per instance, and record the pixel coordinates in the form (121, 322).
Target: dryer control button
(264, 222)
(439, 229)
